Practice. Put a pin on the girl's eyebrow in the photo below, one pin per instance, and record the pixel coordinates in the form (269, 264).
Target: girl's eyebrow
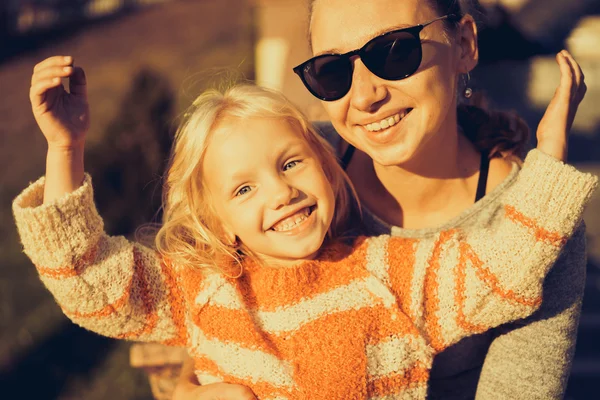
(293, 149)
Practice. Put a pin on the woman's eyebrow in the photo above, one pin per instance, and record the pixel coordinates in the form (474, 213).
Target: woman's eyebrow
(372, 36)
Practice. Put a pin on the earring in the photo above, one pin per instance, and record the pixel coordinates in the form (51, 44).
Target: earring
(468, 91)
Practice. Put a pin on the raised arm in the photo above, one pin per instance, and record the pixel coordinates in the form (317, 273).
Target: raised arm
(466, 282)
(106, 284)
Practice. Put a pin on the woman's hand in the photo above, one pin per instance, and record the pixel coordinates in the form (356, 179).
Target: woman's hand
(553, 130)
(214, 391)
(63, 117)
(188, 388)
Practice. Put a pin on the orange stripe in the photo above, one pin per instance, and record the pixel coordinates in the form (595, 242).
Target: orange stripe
(431, 293)
(540, 234)
(261, 389)
(146, 301)
(105, 311)
(493, 282)
(460, 294)
(68, 272)
(176, 304)
(401, 261)
(313, 278)
(389, 385)
(229, 325)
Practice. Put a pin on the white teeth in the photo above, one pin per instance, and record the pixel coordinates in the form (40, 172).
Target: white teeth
(386, 122)
(292, 221)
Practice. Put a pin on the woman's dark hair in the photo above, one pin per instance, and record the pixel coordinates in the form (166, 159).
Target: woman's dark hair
(494, 132)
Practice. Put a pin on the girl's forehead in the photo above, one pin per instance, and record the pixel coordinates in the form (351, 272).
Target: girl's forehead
(343, 25)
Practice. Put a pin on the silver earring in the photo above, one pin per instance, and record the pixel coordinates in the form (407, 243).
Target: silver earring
(468, 91)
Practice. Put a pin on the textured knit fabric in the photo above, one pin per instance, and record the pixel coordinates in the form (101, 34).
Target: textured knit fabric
(528, 359)
(362, 322)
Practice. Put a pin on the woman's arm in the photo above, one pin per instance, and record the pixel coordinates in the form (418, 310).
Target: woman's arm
(479, 279)
(531, 358)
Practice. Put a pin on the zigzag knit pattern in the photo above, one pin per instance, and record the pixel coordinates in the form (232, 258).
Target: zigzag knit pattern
(362, 322)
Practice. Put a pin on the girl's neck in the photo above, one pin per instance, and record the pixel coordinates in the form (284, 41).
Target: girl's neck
(426, 191)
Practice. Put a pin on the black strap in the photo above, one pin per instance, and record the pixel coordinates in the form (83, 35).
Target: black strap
(483, 176)
(347, 156)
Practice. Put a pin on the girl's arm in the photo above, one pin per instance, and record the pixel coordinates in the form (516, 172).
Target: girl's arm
(105, 284)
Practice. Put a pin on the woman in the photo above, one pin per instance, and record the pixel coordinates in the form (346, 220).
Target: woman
(423, 163)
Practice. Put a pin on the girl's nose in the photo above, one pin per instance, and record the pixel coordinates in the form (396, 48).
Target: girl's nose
(367, 92)
(282, 194)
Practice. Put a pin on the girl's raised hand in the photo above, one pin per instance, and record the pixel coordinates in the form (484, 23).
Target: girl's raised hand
(63, 117)
(553, 130)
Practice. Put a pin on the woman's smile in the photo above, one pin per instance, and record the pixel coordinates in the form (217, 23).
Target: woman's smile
(388, 129)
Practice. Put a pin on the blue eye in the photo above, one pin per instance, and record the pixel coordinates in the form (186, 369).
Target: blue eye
(291, 164)
(243, 190)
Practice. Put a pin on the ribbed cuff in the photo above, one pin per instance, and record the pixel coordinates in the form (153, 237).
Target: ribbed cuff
(552, 192)
(58, 233)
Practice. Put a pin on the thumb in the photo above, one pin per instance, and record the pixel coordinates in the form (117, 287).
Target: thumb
(77, 82)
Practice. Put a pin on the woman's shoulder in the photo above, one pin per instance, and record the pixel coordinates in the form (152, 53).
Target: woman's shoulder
(500, 169)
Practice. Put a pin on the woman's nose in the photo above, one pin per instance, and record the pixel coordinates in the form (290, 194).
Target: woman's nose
(367, 92)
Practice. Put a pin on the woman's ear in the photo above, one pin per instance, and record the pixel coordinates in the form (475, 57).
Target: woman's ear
(467, 42)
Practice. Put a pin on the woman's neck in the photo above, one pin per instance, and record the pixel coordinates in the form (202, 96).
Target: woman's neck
(427, 191)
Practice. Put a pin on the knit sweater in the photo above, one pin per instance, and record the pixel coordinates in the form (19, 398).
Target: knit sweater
(363, 321)
(526, 359)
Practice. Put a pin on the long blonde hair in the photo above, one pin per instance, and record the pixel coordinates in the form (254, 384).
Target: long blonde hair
(191, 232)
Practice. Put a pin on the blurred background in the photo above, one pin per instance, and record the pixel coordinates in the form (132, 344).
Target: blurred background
(146, 60)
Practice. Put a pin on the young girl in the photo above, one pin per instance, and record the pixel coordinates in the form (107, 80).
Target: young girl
(252, 271)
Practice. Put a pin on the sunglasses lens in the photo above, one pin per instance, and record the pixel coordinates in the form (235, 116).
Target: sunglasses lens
(328, 77)
(394, 56)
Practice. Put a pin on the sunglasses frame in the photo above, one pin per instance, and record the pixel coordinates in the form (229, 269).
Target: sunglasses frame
(414, 30)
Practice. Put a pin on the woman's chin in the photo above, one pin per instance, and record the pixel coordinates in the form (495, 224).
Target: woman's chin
(393, 155)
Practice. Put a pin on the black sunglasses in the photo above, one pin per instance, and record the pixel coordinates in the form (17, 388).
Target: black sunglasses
(391, 56)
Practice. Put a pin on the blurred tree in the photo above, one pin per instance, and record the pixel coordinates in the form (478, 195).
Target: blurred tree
(127, 166)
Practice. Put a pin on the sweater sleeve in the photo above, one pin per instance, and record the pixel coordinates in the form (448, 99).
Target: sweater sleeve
(471, 281)
(531, 358)
(108, 285)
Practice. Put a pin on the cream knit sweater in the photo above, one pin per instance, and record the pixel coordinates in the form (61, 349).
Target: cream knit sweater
(362, 322)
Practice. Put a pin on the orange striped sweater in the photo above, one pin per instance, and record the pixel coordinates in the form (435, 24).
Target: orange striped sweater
(362, 322)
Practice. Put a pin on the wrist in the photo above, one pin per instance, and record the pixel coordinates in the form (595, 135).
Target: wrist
(554, 149)
(70, 150)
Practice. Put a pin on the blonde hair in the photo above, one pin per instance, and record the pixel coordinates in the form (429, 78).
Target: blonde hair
(191, 233)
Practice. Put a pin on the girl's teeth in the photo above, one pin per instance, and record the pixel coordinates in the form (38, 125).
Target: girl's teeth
(386, 123)
(292, 221)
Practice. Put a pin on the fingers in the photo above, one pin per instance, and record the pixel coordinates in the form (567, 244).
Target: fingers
(567, 78)
(56, 61)
(580, 88)
(49, 73)
(38, 91)
(572, 78)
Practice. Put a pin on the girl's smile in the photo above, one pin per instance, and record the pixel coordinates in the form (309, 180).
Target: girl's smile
(274, 199)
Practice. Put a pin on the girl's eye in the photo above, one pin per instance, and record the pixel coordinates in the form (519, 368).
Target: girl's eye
(243, 190)
(291, 164)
